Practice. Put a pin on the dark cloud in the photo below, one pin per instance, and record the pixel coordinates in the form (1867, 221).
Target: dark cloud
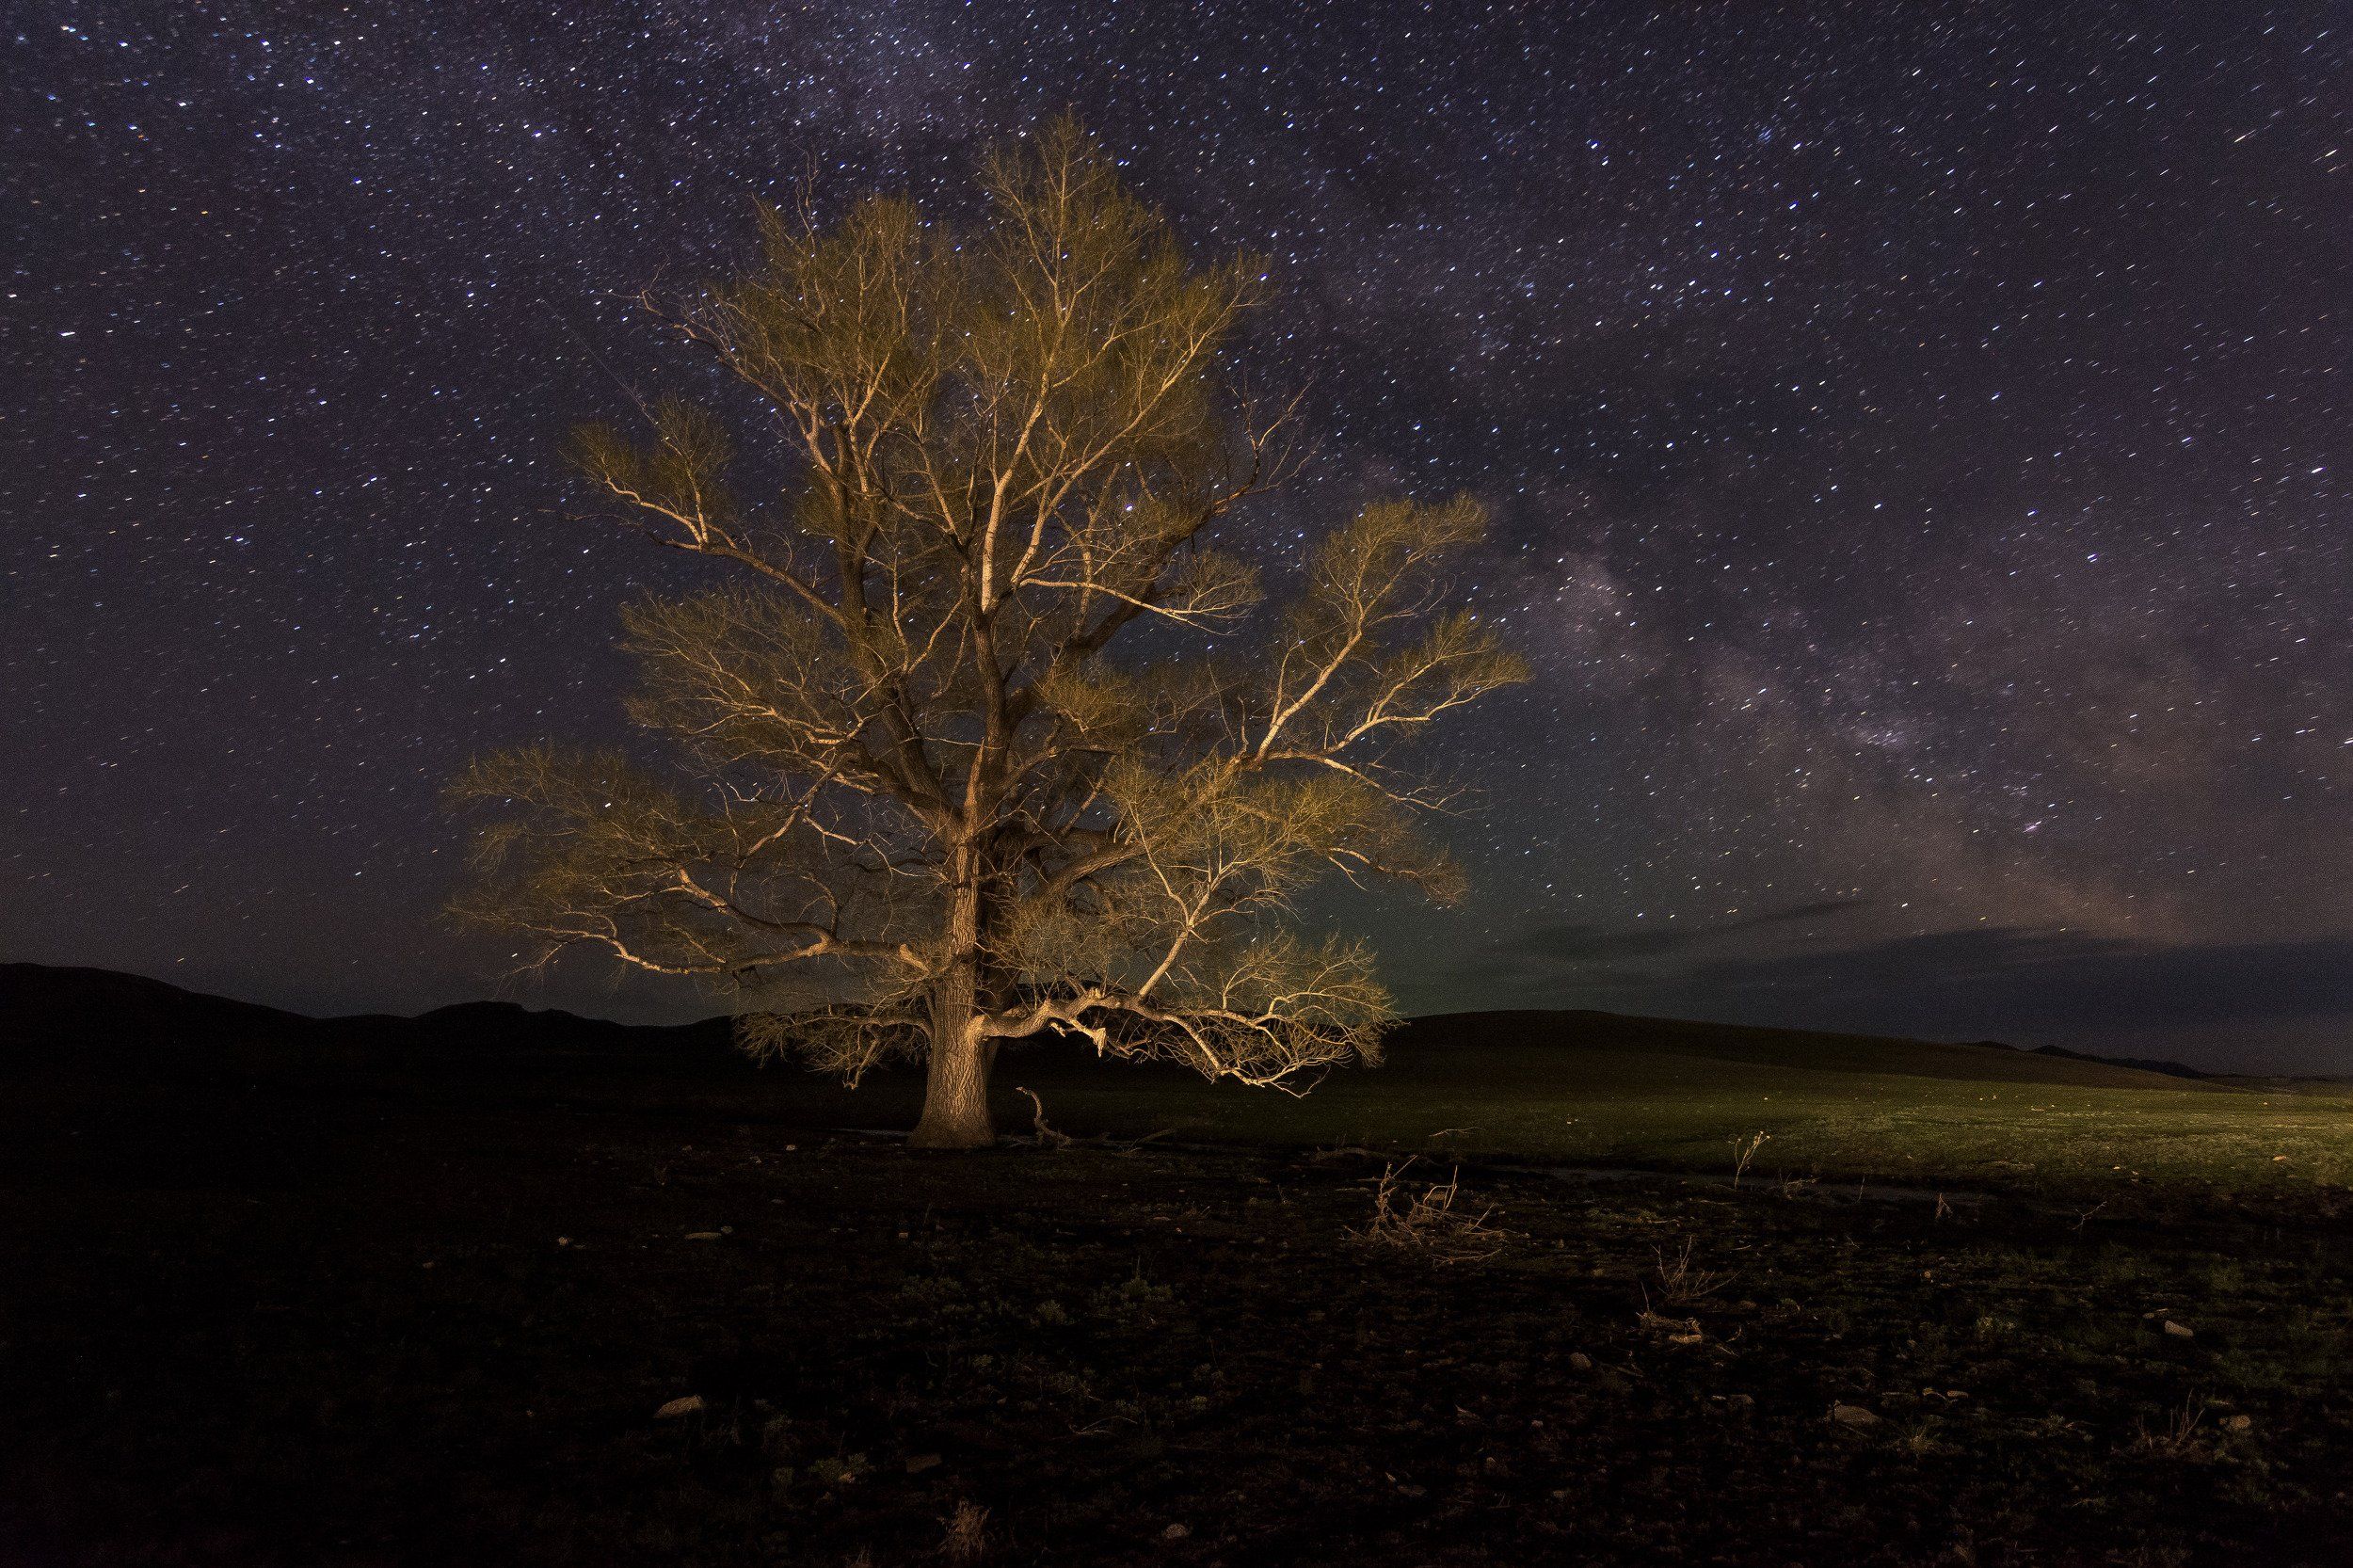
(2281, 1006)
(2045, 982)
(1571, 945)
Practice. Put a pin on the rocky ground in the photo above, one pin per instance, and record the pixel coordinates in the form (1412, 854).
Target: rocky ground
(261, 1329)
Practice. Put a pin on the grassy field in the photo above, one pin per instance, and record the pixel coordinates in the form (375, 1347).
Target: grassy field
(1605, 1090)
(1602, 1090)
(593, 1311)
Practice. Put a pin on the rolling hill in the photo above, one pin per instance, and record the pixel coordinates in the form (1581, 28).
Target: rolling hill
(1577, 1088)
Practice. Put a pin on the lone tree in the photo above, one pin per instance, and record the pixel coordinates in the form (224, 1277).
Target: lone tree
(982, 736)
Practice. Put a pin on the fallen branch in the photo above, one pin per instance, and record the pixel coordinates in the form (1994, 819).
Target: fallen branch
(1047, 1137)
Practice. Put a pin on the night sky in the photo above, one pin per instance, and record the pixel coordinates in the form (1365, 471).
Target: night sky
(1919, 440)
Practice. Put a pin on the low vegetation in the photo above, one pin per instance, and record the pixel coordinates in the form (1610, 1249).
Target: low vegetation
(1965, 1306)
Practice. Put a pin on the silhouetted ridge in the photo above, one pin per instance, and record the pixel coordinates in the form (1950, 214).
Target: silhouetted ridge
(82, 1021)
(2146, 1064)
(60, 1021)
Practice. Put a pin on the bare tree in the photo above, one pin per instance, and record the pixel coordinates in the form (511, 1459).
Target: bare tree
(982, 737)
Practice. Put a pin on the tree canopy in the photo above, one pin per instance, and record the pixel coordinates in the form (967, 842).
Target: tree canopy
(983, 727)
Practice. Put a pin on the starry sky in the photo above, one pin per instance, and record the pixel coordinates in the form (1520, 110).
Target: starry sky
(1918, 437)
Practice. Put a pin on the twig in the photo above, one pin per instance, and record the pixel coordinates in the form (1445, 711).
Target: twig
(1047, 1137)
(1429, 1224)
(1742, 1153)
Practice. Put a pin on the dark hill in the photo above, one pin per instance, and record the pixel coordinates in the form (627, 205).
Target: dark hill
(1618, 1034)
(78, 1022)
(2146, 1064)
(105, 1007)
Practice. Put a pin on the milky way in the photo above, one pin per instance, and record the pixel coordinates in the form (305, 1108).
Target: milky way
(1917, 434)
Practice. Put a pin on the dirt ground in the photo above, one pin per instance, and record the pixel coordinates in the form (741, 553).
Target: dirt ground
(261, 1329)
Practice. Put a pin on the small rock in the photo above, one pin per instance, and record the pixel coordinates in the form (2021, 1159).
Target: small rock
(1853, 1415)
(563, 1240)
(2178, 1331)
(685, 1406)
(2240, 1424)
(1580, 1361)
(1175, 1532)
(917, 1464)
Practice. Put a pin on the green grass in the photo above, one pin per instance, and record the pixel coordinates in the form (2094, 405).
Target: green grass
(1592, 1088)
(1573, 1088)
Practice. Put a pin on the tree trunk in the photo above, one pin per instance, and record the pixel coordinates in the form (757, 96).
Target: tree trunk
(955, 1089)
(955, 1085)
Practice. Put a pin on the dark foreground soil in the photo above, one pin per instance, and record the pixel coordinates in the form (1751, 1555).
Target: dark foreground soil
(257, 1330)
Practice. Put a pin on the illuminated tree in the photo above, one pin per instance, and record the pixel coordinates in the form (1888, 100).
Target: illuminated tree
(982, 736)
